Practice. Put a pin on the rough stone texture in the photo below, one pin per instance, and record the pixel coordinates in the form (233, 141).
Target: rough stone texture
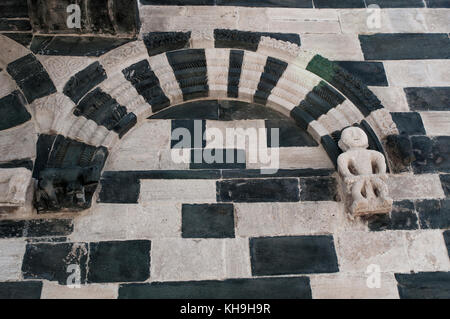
(352, 286)
(425, 285)
(92, 291)
(415, 187)
(436, 123)
(20, 290)
(186, 191)
(195, 259)
(11, 254)
(18, 143)
(122, 222)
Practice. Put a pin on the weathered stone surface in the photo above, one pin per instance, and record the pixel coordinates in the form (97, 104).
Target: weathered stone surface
(426, 285)
(208, 221)
(51, 261)
(434, 214)
(21, 290)
(409, 123)
(318, 189)
(445, 180)
(428, 98)
(35, 228)
(293, 255)
(14, 9)
(405, 74)
(447, 240)
(82, 82)
(291, 219)
(336, 47)
(199, 259)
(18, 143)
(119, 261)
(427, 251)
(77, 46)
(112, 190)
(358, 250)
(11, 254)
(392, 98)
(436, 123)
(13, 111)
(371, 73)
(260, 288)
(352, 286)
(415, 187)
(276, 190)
(432, 154)
(116, 18)
(14, 184)
(402, 217)
(91, 291)
(125, 222)
(183, 191)
(404, 46)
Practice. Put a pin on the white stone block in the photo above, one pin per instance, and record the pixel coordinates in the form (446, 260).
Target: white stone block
(52, 290)
(11, 255)
(426, 186)
(180, 191)
(436, 123)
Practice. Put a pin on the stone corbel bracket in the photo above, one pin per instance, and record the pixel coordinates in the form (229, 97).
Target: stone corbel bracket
(14, 183)
(362, 175)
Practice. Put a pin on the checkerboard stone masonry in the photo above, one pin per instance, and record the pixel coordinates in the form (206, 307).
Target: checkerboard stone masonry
(156, 229)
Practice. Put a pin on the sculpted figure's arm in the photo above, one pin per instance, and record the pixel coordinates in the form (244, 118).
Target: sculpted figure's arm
(380, 163)
(343, 163)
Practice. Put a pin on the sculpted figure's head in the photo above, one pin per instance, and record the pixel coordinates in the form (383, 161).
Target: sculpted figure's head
(353, 137)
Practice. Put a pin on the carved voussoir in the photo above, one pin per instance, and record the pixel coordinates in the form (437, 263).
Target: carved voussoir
(363, 175)
(14, 184)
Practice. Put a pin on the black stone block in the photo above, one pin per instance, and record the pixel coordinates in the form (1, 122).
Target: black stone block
(405, 46)
(125, 124)
(432, 154)
(434, 214)
(258, 190)
(402, 217)
(273, 70)
(147, 84)
(119, 261)
(234, 72)
(339, 4)
(13, 9)
(13, 111)
(159, 42)
(409, 123)
(75, 46)
(293, 255)
(257, 173)
(198, 110)
(196, 129)
(289, 134)
(25, 163)
(396, 3)
(247, 40)
(51, 261)
(267, 3)
(207, 221)
(447, 240)
(164, 174)
(191, 72)
(318, 189)
(254, 288)
(179, 2)
(445, 181)
(31, 77)
(119, 190)
(331, 148)
(301, 117)
(437, 3)
(236, 110)
(101, 108)
(43, 148)
(35, 228)
(400, 152)
(428, 98)
(217, 159)
(424, 285)
(370, 73)
(85, 80)
(21, 38)
(21, 290)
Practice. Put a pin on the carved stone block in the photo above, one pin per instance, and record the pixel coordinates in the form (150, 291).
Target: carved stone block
(14, 183)
(363, 175)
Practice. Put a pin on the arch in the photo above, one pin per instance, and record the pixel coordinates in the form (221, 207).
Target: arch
(134, 82)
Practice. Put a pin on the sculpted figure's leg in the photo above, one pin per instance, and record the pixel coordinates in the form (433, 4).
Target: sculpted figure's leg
(383, 191)
(359, 200)
(17, 189)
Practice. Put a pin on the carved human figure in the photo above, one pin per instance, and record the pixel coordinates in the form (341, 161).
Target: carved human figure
(364, 173)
